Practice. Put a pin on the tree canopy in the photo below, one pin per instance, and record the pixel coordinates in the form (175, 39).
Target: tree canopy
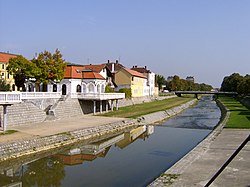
(178, 84)
(236, 83)
(160, 80)
(22, 69)
(44, 67)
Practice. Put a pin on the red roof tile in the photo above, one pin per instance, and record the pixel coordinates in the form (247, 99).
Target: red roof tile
(95, 68)
(77, 72)
(5, 57)
(92, 75)
(135, 73)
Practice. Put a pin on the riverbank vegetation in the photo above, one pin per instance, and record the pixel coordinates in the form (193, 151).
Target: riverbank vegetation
(239, 114)
(236, 83)
(135, 111)
(175, 83)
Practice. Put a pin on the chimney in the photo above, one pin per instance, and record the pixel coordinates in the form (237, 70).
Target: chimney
(135, 66)
(145, 67)
(108, 61)
(113, 68)
(116, 61)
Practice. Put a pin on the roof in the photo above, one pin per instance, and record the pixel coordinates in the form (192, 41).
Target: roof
(141, 69)
(135, 73)
(96, 68)
(5, 57)
(117, 66)
(92, 75)
(80, 72)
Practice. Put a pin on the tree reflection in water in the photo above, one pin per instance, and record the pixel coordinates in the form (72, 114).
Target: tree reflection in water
(44, 172)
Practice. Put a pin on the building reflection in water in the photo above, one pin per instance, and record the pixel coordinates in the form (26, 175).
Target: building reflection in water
(49, 171)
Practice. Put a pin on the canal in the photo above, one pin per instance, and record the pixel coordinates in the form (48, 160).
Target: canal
(134, 158)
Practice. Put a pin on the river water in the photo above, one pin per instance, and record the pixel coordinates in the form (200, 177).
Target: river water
(133, 158)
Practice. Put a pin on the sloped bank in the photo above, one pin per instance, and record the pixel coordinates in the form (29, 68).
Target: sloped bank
(170, 175)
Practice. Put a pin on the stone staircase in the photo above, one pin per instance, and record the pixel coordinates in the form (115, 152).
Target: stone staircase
(23, 113)
(66, 107)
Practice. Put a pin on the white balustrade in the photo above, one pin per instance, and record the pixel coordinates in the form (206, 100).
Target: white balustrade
(98, 96)
(10, 97)
(40, 95)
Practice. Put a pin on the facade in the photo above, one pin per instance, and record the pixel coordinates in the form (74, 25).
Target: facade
(149, 88)
(4, 60)
(79, 79)
(127, 78)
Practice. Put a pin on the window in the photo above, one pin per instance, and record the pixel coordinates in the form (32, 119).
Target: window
(2, 66)
(8, 75)
(2, 75)
(78, 88)
(132, 78)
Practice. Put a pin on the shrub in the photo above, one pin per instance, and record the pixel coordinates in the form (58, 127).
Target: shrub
(127, 91)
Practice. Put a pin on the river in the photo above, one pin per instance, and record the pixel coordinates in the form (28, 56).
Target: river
(134, 158)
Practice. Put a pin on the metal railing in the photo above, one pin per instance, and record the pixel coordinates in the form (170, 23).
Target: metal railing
(228, 161)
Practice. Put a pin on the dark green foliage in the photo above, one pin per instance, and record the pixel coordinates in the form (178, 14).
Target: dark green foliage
(160, 81)
(4, 86)
(178, 84)
(127, 91)
(236, 83)
(108, 89)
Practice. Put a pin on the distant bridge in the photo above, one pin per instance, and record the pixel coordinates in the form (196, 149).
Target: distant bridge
(216, 93)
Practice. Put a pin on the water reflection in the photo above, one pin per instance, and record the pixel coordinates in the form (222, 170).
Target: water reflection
(50, 171)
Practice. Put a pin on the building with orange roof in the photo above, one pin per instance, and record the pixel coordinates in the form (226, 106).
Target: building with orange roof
(80, 79)
(127, 78)
(4, 61)
(150, 89)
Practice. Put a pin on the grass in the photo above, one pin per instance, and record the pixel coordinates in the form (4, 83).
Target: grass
(8, 132)
(135, 111)
(239, 114)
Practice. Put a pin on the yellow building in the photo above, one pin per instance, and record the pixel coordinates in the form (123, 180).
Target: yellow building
(4, 60)
(127, 78)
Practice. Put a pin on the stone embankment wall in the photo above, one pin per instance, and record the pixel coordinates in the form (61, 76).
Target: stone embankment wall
(36, 110)
(246, 102)
(159, 116)
(40, 144)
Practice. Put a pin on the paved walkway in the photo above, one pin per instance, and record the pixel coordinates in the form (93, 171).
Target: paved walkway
(198, 167)
(57, 126)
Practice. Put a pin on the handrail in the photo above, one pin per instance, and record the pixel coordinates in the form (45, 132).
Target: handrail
(228, 161)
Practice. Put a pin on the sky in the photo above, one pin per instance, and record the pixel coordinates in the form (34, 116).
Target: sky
(207, 39)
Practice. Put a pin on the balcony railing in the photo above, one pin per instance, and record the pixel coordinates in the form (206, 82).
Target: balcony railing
(40, 95)
(98, 96)
(10, 97)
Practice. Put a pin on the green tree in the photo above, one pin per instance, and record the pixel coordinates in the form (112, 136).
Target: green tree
(49, 67)
(230, 83)
(4, 86)
(160, 81)
(22, 69)
(244, 86)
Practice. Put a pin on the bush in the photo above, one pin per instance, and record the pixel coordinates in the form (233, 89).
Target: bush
(4, 86)
(127, 91)
(108, 89)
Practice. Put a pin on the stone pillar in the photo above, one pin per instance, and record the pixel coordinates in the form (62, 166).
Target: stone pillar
(100, 106)
(112, 105)
(94, 109)
(4, 117)
(117, 104)
(107, 105)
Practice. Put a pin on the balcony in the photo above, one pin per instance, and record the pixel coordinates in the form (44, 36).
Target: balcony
(98, 96)
(10, 97)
